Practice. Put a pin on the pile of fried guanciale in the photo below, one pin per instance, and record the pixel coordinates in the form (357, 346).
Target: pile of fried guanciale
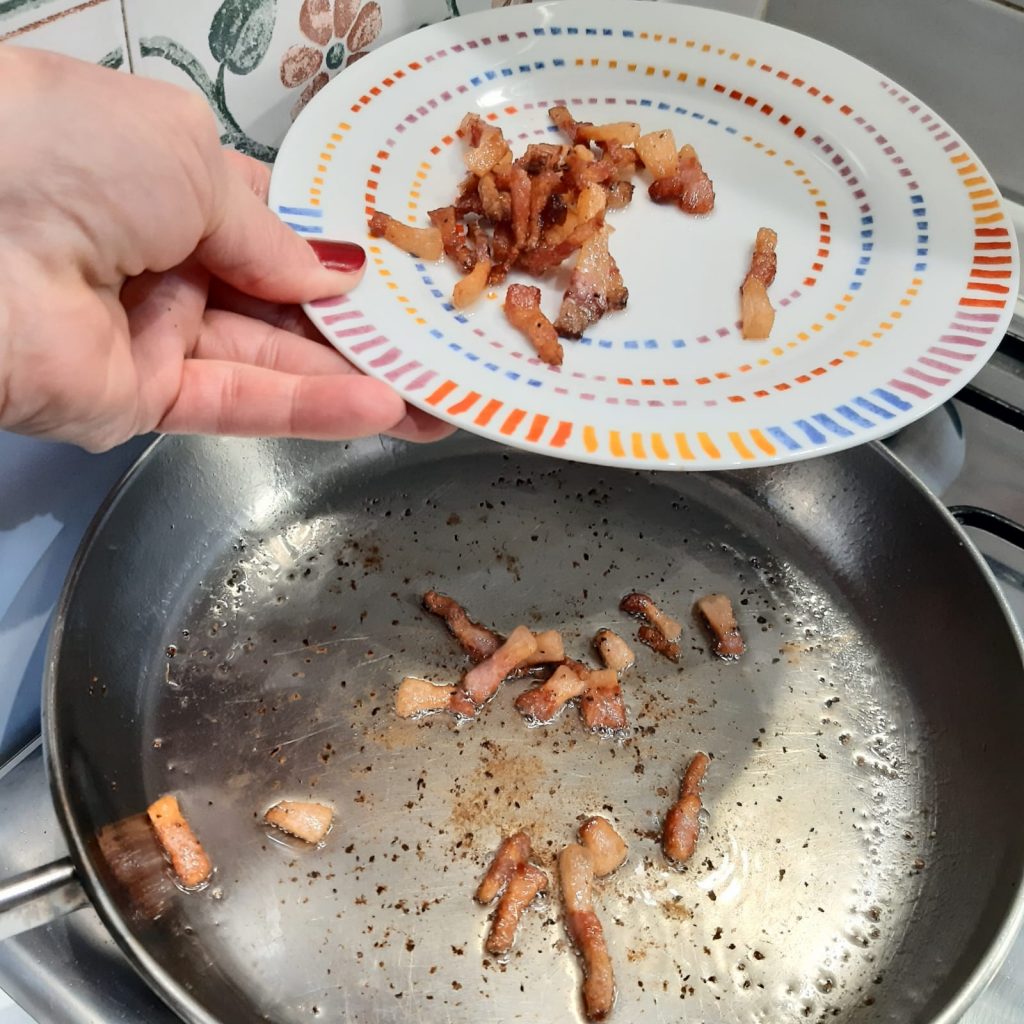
(534, 212)
(556, 681)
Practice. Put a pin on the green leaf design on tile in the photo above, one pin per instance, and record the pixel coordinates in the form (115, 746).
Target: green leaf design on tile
(185, 61)
(240, 33)
(114, 59)
(181, 58)
(10, 6)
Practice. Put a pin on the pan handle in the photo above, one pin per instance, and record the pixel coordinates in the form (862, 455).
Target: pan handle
(991, 522)
(38, 897)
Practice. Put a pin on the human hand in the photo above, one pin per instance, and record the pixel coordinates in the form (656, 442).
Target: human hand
(144, 284)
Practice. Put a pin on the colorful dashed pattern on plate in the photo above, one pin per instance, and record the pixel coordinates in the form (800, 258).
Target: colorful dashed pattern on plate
(897, 265)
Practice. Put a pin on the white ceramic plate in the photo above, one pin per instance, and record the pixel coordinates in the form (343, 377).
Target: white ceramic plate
(898, 265)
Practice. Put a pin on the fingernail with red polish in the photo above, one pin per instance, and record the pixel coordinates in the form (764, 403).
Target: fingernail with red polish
(347, 257)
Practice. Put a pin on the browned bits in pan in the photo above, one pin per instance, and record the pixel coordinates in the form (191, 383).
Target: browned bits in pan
(682, 823)
(716, 612)
(476, 640)
(576, 875)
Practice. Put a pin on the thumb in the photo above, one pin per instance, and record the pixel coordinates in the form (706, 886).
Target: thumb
(249, 248)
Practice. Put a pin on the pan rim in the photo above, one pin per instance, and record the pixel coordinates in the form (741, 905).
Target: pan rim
(163, 983)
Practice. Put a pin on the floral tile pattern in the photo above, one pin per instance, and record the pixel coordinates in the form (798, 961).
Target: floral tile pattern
(259, 62)
(340, 31)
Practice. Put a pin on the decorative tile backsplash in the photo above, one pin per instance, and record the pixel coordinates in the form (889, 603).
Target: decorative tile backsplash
(257, 62)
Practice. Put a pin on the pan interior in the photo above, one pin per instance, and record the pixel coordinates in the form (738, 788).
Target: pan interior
(274, 678)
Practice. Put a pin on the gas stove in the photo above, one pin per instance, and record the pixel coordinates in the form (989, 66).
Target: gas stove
(969, 452)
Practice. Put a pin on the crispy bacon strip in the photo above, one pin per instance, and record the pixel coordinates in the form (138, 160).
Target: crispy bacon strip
(620, 194)
(478, 241)
(542, 187)
(624, 133)
(520, 188)
(594, 288)
(715, 611)
(565, 123)
(487, 145)
(513, 852)
(547, 256)
(477, 641)
(550, 648)
(468, 289)
(543, 703)
(655, 639)
(682, 823)
(658, 152)
(495, 204)
(643, 607)
(445, 219)
(543, 156)
(522, 309)
(576, 874)
(602, 706)
(481, 682)
(468, 198)
(527, 882)
(309, 822)
(582, 168)
(461, 705)
(416, 698)
(689, 186)
(756, 311)
(423, 243)
(503, 250)
(615, 652)
(625, 159)
(606, 848)
(188, 858)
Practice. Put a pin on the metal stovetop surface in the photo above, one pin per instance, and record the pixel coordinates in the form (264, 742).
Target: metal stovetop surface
(71, 971)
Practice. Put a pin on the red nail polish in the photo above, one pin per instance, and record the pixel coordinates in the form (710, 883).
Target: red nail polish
(345, 256)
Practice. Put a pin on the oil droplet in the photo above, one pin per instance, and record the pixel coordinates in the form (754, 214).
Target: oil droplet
(171, 651)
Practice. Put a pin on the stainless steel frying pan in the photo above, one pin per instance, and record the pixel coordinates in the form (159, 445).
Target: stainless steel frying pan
(236, 624)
